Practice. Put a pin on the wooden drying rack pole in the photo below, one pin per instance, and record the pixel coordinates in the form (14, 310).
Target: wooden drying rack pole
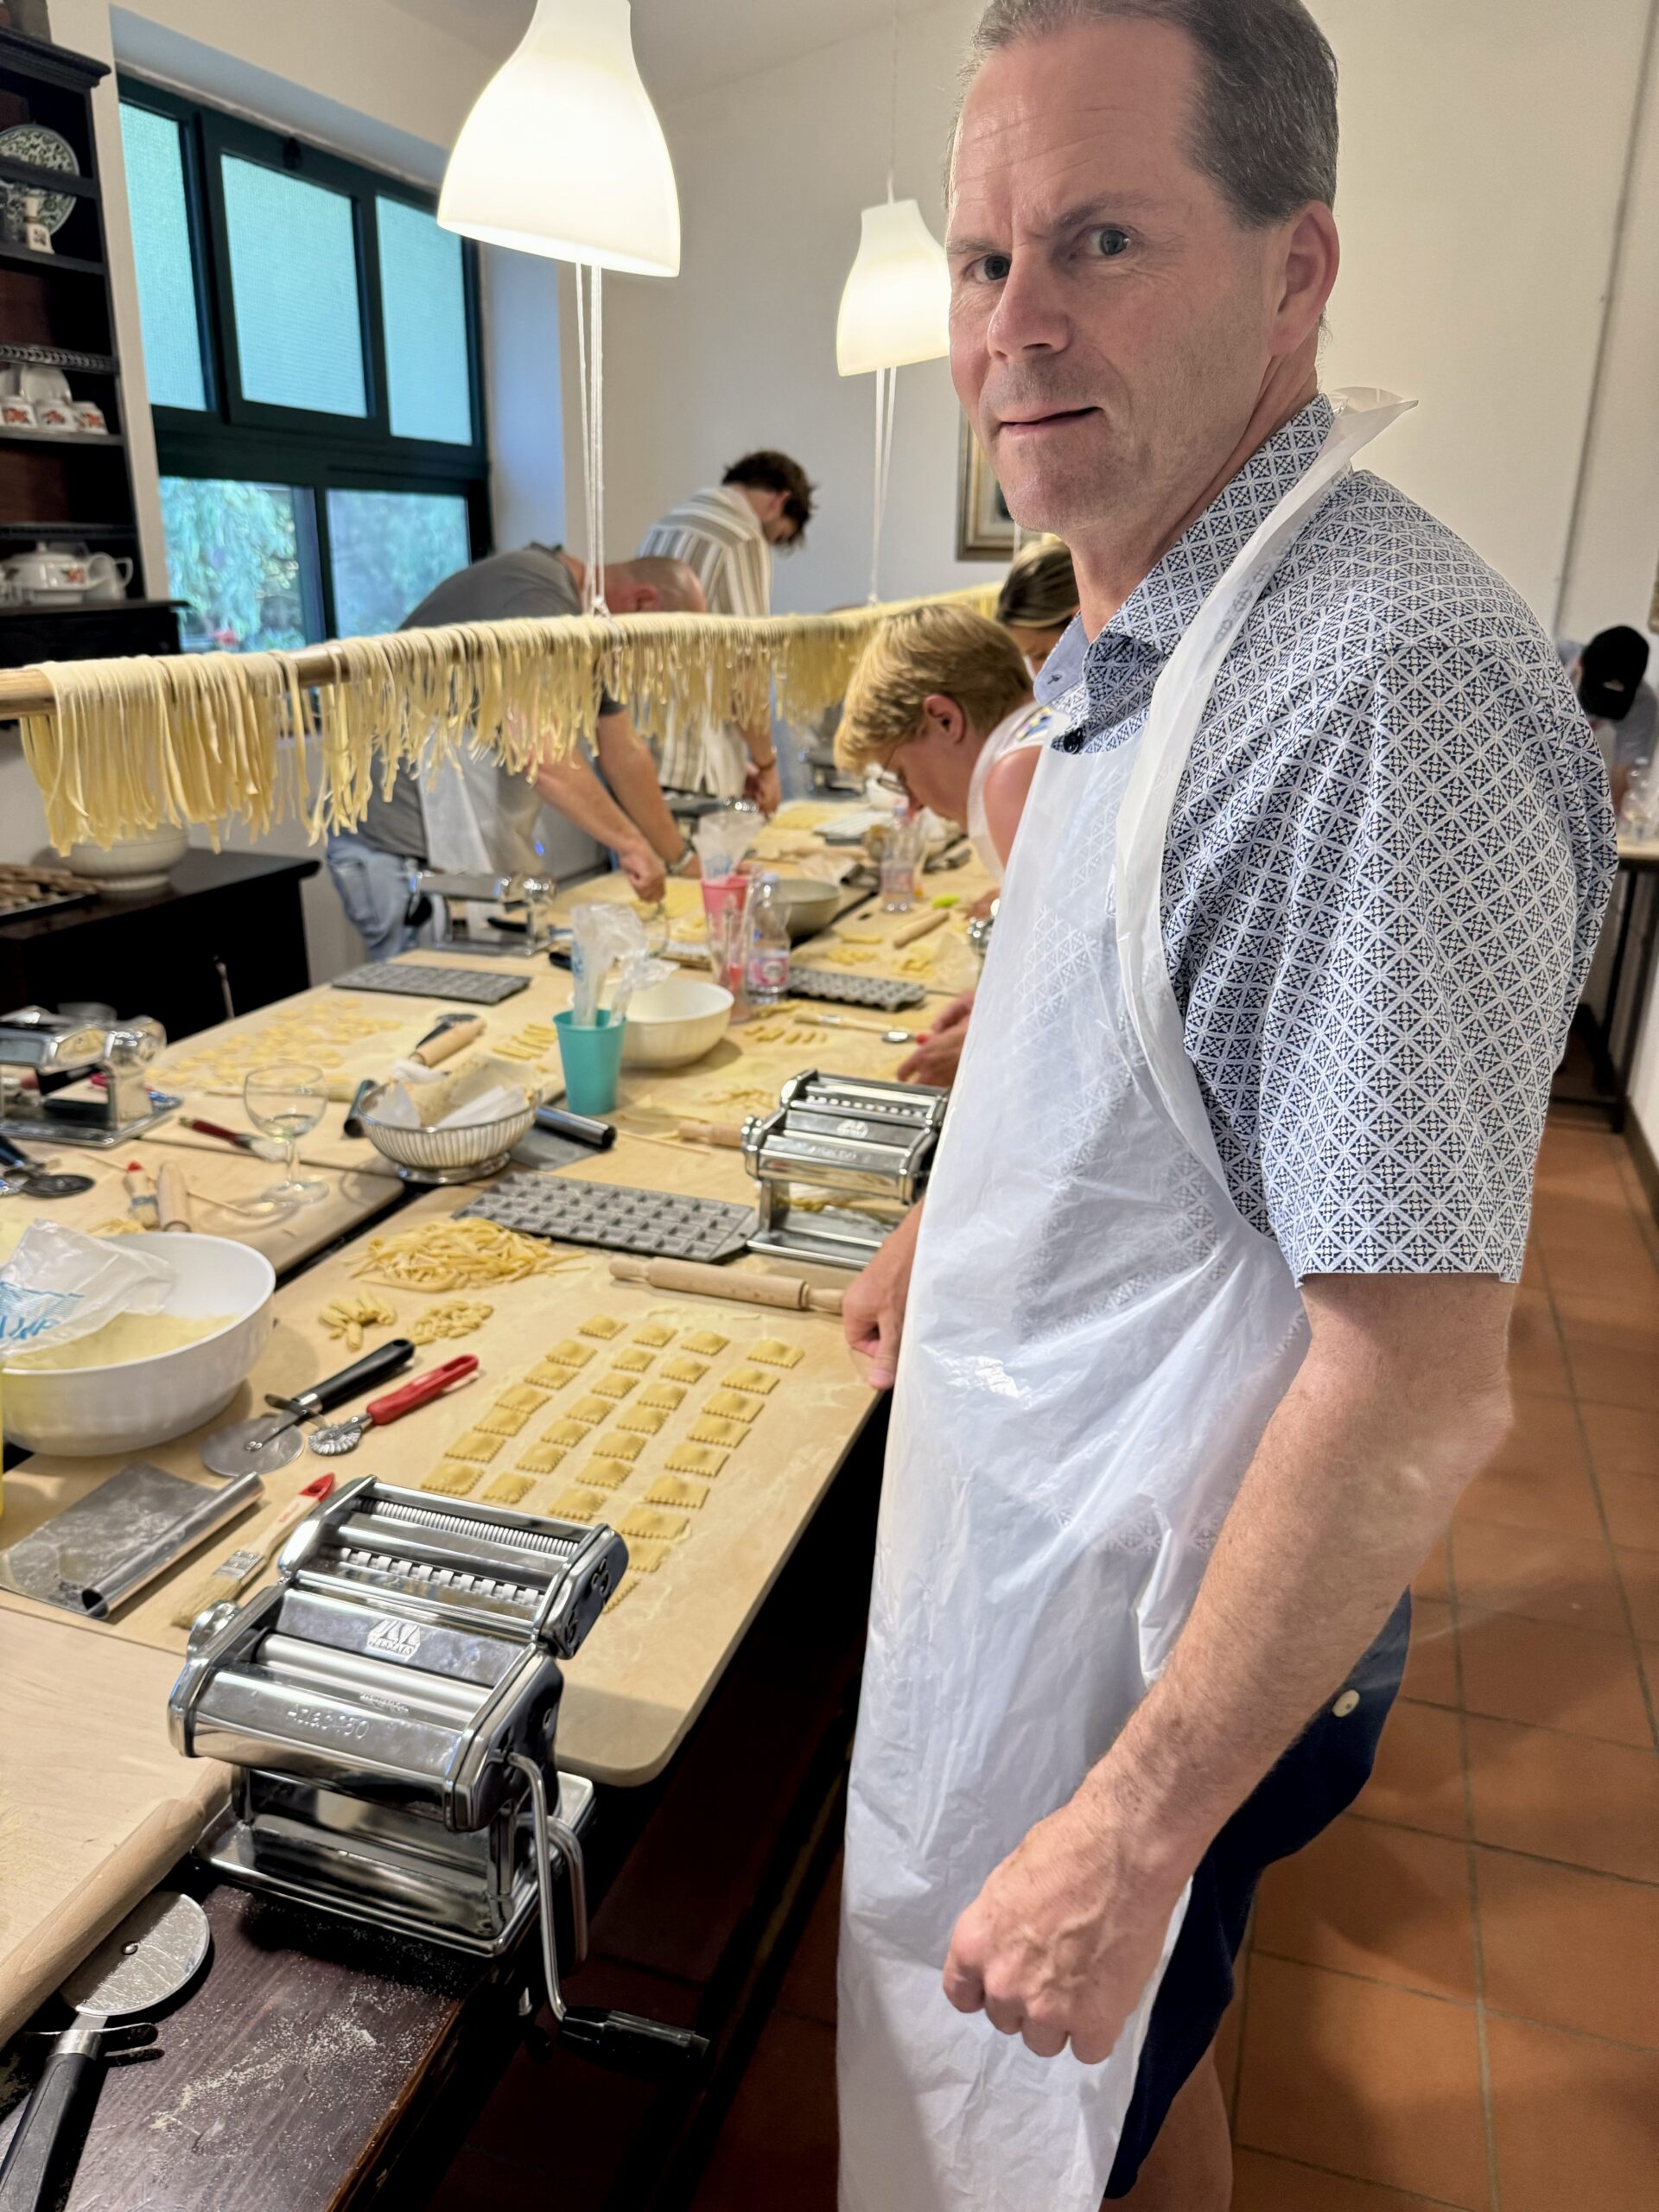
(26, 691)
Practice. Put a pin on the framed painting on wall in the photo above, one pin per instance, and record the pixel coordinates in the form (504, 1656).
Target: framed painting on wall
(984, 527)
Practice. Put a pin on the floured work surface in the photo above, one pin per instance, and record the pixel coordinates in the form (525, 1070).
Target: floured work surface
(648, 1666)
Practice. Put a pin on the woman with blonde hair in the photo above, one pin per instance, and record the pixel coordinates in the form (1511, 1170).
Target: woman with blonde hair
(1039, 598)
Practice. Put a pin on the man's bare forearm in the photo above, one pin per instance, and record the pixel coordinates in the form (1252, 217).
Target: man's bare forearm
(631, 774)
(571, 785)
(1403, 1397)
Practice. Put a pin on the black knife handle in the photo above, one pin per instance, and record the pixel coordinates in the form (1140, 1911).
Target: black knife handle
(46, 2131)
(351, 1381)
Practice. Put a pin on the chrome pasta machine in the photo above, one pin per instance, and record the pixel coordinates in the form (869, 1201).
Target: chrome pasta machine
(61, 1052)
(461, 897)
(389, 1708)
(838, 1164)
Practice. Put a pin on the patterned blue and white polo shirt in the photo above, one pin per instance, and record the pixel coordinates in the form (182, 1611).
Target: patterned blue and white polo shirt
(1384, 873)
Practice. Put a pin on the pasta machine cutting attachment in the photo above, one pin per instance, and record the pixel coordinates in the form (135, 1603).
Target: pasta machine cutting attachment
(63, 1051)
(838, 1163)
(389, 1708)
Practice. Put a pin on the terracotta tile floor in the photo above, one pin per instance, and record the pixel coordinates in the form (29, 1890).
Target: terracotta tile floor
(1452, 2000)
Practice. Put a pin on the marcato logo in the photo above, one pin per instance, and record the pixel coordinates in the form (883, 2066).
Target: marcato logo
(395, 1639)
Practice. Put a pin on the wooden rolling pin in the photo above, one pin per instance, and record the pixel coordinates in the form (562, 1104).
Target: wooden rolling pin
(444, 1042)
(172, 1198)
(911, 930)
(728, 1134)
(704, 1281)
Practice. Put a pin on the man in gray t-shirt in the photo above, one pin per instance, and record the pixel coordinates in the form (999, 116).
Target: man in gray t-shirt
(413, 824)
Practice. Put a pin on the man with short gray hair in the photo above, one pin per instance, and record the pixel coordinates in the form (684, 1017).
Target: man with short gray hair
(1202, 1325)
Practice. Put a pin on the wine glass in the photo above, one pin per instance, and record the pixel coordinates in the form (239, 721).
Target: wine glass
(285, 1100)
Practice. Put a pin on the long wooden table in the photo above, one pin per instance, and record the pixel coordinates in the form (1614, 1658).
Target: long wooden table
(651, 1668)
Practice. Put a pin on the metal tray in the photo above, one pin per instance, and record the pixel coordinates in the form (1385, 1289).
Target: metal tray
(615, 1217)
(476, 986)
(885, 991)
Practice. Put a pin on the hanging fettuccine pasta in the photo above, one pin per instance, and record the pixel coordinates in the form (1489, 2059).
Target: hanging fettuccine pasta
(252, 739)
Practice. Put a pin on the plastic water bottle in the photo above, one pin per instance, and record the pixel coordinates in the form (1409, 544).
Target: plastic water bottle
(768, 964)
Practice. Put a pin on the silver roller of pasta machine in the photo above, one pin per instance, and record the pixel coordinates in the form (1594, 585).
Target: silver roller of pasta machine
(389, 1708)
(457, 895)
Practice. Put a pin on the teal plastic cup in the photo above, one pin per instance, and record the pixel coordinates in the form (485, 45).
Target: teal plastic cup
(593, 1060)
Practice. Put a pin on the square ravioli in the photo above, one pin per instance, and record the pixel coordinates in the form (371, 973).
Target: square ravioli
(612, 1385)
(454, 1478)
(654, 1334)
(644, 1556)
(577, 1505)
(646, 1419)
(682, 1370)
(474, 1444)
(711, 1429)
(568, 1353)
(503, 1419)
(591, 1410)
(772, 1352)
(632, 1359)
(550, 1375)
(541, 1458)
(756, 1380)
(566, 1432)
(732, 1405)
(672, 1489)
(697, 1458)
(621, 1444)
(705, 1342)
(648, 1521)
(629, 1582)
(523, 1399)
(509, 1490)
(670, 1396)
(600, 1325)
(607, 1470)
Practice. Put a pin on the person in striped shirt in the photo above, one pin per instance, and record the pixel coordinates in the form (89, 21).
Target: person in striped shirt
(726, 534)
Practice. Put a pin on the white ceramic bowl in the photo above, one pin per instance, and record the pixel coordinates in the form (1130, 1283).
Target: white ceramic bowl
(138, 863)
(674, 1023)
(80, 1410)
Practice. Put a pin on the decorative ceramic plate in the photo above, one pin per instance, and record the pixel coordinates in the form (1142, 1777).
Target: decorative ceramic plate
(43, 149)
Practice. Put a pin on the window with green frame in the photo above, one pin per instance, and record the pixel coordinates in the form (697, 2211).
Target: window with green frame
(311, 347)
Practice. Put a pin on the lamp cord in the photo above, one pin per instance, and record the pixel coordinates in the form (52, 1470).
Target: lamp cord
(892, 102)
(886, 392)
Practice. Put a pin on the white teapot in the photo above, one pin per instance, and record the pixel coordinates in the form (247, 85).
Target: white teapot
(106, 577)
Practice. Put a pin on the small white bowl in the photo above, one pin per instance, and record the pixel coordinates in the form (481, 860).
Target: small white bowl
(674, 1023)
(77, 1411)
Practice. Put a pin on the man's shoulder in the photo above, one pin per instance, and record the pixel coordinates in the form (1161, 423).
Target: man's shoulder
(1386, 585)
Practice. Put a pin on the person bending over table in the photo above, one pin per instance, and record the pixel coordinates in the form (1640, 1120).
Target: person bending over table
(940, 708)
(1201, 1327)
(480, 817)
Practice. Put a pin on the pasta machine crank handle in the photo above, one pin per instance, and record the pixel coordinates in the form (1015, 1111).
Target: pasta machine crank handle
(625, 2041)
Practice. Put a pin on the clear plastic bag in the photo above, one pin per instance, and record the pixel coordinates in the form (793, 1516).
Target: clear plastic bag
(59, 1285)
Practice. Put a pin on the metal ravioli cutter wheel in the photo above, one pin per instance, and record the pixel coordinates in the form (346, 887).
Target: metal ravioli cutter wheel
(656, 1223)
(476, 986)
(885, 991)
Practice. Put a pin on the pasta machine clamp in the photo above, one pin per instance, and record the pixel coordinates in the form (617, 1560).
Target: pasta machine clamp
(389, 1708)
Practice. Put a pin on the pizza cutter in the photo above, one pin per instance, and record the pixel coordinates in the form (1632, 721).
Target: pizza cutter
(334, 1436)
(157, 1950)
(20, 1174)
(266, 1444)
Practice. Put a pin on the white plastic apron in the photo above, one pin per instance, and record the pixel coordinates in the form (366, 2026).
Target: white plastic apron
(480, 818)
(1094, 1341)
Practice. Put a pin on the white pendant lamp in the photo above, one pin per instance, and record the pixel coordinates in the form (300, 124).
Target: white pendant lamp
(562, 154)
(895, 309)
